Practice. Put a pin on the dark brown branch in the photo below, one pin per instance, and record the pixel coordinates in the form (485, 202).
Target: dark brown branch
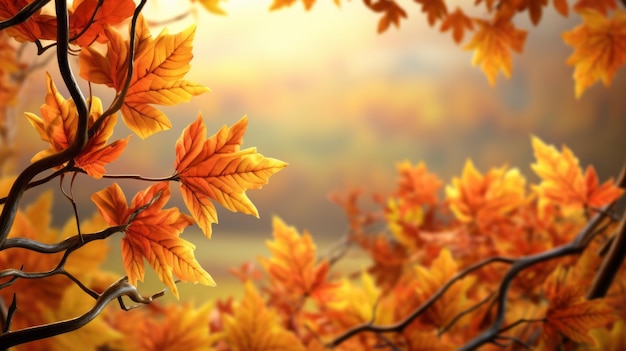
(614, 258)
(26, 176)
(118, 289)
(24, 14)
(400, 326)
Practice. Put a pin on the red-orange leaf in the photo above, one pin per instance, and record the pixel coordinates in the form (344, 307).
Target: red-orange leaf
(152, 233)
(90, 26)
(160, 65)
(58, 127)
(217, 169)
(492, 44)
(599, 48)
(37, 27)
(458, 22)
(436, 10)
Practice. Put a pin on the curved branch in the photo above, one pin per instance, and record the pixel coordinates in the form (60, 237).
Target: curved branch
(21, 183)
(24, 14)
(118, 289)
(398, 327)
(71, 243)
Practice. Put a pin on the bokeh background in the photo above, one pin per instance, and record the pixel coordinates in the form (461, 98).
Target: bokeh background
(342, 105)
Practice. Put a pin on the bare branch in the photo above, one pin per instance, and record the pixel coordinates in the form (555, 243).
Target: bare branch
(118, 289)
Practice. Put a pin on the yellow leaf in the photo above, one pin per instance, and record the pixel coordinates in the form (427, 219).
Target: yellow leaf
(562, 179)
(160, 65)
(599, 48)
(217, 169)
(253, 327)
(492, 43)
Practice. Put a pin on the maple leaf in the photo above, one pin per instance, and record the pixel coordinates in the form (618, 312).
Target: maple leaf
(91, 336)
(160, 64)
(458, 22)
(180, 327)
(485, 198)
(37, 27)
(492, 43)
(563, 182)
(58, 127)
(416, 185)
(392, 13)
(454, 300)
(569, 313)
(535, 9)
(436, 10)
(88, 18)
(294, 265)
(152, 233)
(599, 48)
(253, 327)
(217, 169)
(561, 7)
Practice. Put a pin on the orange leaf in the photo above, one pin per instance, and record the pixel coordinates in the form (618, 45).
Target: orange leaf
(563, 182)
(430, 279)
(436, 10)
(416, 185)
(492, 44)
(160, 65)
(392, 13)
(561, 7)
(36, 27)
(569, 313)
(253, 327)
(485, 198)
(599, 48)
(602, 6)
(216, 169)
(58, 127)
(152, 233)
(458, 22)
(90, 26)
(293, 264)
(535, 9)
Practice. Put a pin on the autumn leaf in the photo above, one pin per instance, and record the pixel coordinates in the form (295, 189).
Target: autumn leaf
(294, 265)
(569, 313)
(485, 198)
(416, 185)
(88, 18)
(160, 65)
(535, 9)
(91, 336)
(458, 22)
(217, 169)
(492, 44)
(563, 182)
(392, 13)
(602, 6)
(180, 327)
(254, 327)
(37, 27)
(599, 48)
(278, 4)
(430, 279)
(436, 10)
(58, 127)
(152, 232)
(561, 7)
